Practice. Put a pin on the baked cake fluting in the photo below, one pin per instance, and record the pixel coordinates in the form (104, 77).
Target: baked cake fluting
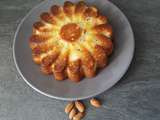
(71, 41)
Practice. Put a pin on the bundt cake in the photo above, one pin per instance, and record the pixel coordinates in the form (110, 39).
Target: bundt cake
(71, 41)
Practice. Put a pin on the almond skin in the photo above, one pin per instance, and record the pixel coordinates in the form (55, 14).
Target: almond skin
(72, 113)
(79, 116)
(80, 106)
(96, 103)
(69, 107)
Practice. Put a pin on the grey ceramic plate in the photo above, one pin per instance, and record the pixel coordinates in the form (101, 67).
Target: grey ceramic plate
(67, 90)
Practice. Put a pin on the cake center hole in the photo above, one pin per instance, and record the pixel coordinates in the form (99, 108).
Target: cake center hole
(70, 32)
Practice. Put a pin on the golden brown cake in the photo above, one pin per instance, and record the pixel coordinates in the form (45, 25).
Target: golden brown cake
(73, 40)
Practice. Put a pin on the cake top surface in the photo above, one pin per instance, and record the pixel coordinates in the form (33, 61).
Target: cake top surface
(72, 35)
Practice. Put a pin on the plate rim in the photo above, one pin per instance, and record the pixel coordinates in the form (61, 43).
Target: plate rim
(68, 98)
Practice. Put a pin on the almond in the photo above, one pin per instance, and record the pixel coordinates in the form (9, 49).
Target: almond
(96, 103)
(80, 106)
(69, 107)
(79, 116)
(72, 113)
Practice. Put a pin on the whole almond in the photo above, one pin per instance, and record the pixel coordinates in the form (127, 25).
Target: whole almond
(80, 106)
(79, 116)
(96, 103)
(69, 107)
(72, 113)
